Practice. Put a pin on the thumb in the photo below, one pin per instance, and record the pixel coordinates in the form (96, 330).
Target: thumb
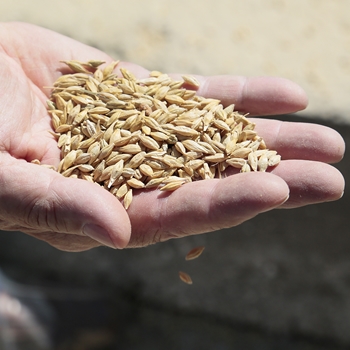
(35, 199)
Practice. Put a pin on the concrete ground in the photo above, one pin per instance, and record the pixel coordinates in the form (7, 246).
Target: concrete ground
(276, 282)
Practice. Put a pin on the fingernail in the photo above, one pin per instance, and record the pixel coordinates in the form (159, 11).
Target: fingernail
(99, 234)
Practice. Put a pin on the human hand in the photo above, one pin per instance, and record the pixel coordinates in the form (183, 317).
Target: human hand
(75, 215)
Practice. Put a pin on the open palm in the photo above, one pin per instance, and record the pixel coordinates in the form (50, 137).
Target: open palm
(76, 215)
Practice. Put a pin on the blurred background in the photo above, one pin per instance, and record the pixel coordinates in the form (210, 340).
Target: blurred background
(279, 281)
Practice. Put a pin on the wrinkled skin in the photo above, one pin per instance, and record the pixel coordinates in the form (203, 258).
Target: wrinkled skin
(75, 215)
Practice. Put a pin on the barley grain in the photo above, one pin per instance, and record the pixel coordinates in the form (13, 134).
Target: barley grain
(185, 277)
(128, 198)
(274, 160)
(122, 191)
(134, 183)
(172, 186)
(190, 80)
(124, 133)
(194, 253)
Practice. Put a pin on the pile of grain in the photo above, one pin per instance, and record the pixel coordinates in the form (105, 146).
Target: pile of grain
(126, 133)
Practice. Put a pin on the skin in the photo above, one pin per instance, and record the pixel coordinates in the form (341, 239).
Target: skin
(75, 215)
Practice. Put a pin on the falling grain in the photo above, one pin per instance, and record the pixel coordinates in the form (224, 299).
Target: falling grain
(194, 253)
(185, 277)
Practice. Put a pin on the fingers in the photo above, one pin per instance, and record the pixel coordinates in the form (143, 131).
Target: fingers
(35, 199)
(310, 182)
(66, 242)
(203, 206)
(210, 205)
(256, 95)
(302, 140)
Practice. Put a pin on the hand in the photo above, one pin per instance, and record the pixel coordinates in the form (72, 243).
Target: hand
(75, 215)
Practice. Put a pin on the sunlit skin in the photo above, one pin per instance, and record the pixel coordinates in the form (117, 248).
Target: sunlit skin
(76, 215)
